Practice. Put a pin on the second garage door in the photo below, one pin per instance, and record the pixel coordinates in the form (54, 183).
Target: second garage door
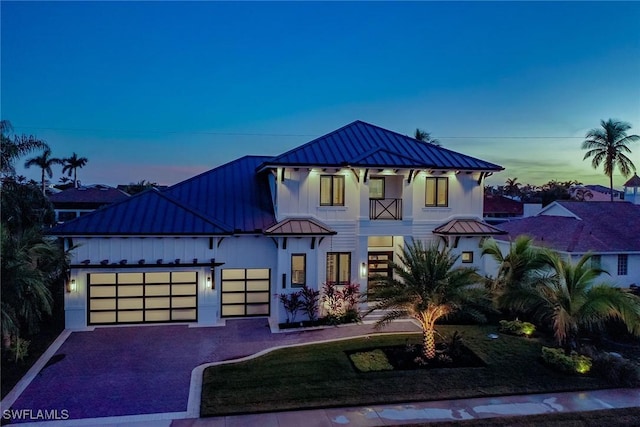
(245, 292)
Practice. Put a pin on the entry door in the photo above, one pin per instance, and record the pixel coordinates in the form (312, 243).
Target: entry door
(379, 265)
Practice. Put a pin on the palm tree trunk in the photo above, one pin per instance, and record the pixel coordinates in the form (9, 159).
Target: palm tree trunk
(611, 185)
(429, 343)
(75, 178)
(43, 188)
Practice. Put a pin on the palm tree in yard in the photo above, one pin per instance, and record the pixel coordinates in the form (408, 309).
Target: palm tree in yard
(71, 165)
(518, 269)
(44, 162)
(426, 287)
(12, 148)
(423, 135)
(608, 145)
(512, 187)
(570, 300)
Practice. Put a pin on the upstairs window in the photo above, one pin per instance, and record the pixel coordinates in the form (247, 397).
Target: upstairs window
(622, 264)
(339, 268)
(596, 261)
(376, 188)
(331, 190)
(437, 192)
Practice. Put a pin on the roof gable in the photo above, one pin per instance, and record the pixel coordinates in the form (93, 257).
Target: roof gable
(299, 227)
(148, 213)
(634, 181)
(467, 227)
(345, 147)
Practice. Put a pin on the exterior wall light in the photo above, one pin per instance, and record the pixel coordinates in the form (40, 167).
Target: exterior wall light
(71, 286)
(209, 282)
(363, 270)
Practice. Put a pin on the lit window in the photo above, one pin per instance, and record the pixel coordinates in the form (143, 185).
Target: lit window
(332, 190)
(376, 188)
(437, 192)
(467, 257)
(339, 268)
(298, 270)
(622, 265)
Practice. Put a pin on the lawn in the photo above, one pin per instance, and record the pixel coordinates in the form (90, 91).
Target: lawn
(321, 375)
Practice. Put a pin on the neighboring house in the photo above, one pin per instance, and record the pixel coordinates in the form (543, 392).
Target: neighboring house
(632, 190)
(225, 243)
(74, 202)
(499, 208)
(600, 193)
(609, 230)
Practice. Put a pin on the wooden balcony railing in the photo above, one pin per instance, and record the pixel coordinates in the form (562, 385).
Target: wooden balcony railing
(385, 209)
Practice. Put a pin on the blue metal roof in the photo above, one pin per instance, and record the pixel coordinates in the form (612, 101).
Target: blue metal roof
(232, 194)
(365, 145)
(148, 213)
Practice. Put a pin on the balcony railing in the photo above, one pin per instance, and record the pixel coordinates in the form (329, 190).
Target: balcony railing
(385, 209)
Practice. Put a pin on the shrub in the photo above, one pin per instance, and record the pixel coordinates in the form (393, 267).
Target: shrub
(619, 371)
(292, 303)
(368, 361)
(310, 299)
(19, 349)
(517, 327)
(573, 363)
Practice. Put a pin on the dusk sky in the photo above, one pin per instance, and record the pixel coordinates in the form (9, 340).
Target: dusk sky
(163, 91)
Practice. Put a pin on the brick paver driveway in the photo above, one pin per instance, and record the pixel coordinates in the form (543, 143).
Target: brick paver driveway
(147, 369)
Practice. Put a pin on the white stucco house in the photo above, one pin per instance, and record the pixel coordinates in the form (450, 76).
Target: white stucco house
(223, 244)
(608, 230)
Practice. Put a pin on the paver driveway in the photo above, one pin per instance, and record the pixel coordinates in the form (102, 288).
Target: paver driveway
(147, 369)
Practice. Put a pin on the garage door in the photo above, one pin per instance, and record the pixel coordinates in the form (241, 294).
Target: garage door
(142, 297)
(245, 292)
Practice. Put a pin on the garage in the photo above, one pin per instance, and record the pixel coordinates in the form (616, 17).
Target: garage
(142, 297)
(245, 292)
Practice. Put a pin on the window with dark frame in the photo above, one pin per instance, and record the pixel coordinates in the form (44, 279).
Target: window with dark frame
(376, 188)
(339, 268)
(331, 190)
(298, 270)
(596, 261)
(436, 192)
(467, 257)
(622, 264)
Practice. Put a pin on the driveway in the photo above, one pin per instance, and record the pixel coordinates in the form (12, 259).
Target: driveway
(146, 369)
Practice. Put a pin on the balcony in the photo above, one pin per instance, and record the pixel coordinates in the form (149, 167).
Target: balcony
(385, 209)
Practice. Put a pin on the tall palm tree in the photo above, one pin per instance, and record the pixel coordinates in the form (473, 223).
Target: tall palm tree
(608, 145)
(422, 135)
(71, 165)
(44, 162)
(426, 287)
(518, 270)
(512, 187)
(570, 301)
(12, 148)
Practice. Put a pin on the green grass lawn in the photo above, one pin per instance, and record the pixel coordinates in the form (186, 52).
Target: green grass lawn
(321, 375)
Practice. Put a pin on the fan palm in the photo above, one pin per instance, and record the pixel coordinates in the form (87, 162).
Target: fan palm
(608, 145)
(71, 165)
(518, 269)
(13, 148)
(44, 162)
(427, 287)
(570, 301)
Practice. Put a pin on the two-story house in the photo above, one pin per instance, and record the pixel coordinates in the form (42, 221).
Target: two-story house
(224, 243)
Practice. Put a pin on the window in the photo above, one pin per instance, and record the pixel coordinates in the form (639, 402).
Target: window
(437, 192)
(298, 270)
(622, 265)
(467, 257)
(331, 190)
(376, 188)
(596, 261)
(339, 267)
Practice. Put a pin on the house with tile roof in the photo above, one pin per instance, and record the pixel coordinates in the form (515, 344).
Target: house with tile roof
(609, 230)
(225, 243)
(74, 202)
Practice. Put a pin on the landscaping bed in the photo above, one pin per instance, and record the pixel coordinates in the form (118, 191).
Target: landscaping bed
(322, 375)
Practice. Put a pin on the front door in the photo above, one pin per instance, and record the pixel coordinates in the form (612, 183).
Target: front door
(379, 267)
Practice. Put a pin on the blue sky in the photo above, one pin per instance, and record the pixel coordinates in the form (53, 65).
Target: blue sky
(162, 91)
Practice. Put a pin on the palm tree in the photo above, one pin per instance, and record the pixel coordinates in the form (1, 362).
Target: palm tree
(422, 135)
(44, 162)
(570, 301)
(71, 165)
(13, 148)
(426, 287)
(518, 270)
(512, 187)
(609, 145)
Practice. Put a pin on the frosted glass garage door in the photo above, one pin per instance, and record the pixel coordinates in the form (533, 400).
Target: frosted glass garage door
(142, 297)
(245, 292)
